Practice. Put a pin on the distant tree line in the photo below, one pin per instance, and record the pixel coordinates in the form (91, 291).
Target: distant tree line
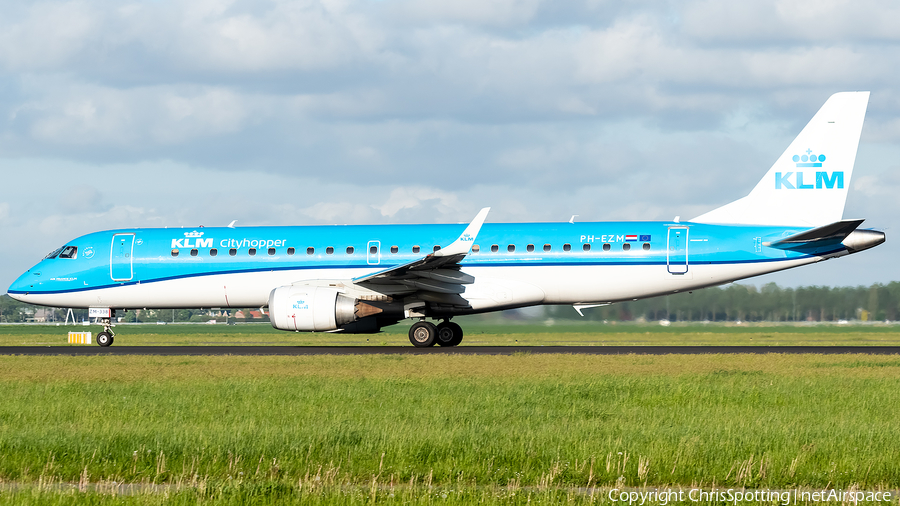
(747, 303)
(13, 311)
(733, 302)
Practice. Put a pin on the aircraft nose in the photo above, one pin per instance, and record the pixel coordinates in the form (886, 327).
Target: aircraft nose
(25, 283)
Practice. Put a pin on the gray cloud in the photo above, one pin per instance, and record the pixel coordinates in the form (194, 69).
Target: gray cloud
(292, 112)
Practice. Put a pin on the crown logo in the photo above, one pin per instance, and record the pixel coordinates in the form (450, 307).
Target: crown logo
(809, 159)
(193, 234)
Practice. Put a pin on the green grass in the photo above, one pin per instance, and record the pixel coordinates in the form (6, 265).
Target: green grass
(426, 429)
(536, 422)
(479, 331)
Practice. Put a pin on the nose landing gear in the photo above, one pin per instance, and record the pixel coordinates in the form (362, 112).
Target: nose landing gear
(424, 334)
(105, 337)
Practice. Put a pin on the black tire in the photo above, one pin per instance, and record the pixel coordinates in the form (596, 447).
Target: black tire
(457, 334)
(448, 334)
(104, 339)
(422, 334)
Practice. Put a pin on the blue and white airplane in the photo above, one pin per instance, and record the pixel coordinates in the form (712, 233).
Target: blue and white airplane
(362, 278)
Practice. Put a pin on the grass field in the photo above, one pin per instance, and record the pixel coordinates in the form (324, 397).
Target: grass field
(479, 331)
(440, 429)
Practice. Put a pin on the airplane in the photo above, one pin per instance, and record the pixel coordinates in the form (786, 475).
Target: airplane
(361, 278)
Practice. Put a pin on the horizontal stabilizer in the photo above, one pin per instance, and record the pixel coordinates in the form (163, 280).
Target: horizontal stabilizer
(831, 233)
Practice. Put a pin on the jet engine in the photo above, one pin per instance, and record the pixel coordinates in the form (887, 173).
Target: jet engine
(310, 308)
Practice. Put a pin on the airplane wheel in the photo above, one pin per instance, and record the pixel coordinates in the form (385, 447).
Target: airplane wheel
(449, 334)
(422, 334)
(104, 339)
(457, 334)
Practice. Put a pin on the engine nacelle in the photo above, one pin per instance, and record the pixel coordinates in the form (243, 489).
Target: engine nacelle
(310, 308)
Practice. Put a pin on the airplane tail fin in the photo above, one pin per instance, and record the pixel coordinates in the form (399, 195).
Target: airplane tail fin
(808, 184)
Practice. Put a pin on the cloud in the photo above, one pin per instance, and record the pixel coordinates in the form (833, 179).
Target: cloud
(81, 199)
(353, 111)
(779, 21)
(132, 119)
(411, 198)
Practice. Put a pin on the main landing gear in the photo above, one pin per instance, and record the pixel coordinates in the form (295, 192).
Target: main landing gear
(105, 337)
(424, 334)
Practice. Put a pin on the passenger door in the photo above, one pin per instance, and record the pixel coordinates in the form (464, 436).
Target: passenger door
(677, 250)
(120, 257)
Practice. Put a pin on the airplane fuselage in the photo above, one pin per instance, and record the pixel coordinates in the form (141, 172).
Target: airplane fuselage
(514, 265)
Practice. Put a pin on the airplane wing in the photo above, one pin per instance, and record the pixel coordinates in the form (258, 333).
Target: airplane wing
(436, 276)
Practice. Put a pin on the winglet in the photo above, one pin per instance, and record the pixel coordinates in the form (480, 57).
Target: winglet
(463, 244)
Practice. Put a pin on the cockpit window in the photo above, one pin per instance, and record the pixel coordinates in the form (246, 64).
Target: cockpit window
(54, 253)
(68, 252)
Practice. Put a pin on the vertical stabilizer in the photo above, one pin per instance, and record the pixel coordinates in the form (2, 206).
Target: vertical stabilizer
(808, 184)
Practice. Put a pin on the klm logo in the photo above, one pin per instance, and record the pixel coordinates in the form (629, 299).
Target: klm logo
(467, 238)
(794, 181)
(192, 240)
(808, 160)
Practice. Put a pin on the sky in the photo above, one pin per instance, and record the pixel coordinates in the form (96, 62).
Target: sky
(153, 113)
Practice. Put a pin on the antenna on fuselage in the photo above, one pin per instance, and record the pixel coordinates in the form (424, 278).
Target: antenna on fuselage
(572, 219)
(231, 225)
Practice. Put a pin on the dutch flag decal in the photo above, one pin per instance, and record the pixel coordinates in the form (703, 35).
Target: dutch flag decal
(631, 237)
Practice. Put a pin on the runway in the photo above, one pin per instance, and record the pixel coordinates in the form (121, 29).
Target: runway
(460, 350)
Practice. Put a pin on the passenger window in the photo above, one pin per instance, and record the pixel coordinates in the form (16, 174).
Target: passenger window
(567, 247)
(194, 252)
(373, 249)
(68, 252)
(476, 248)
(529, 248)
(646, 246)
(606, 247)
(626, 247)
(329, 250)
(415, 249)
(251, 252)
(494, 248)
(213, 252)
(174, 252)
(310, 250)
(586, 247)
(394, 249)
(271, 251)
(349, 250)
(436, 248)
(231, 252)
(546, 247)
(511, 248)
(291, 251)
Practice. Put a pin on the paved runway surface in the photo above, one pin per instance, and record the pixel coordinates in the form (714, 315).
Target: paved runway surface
(461, 350)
